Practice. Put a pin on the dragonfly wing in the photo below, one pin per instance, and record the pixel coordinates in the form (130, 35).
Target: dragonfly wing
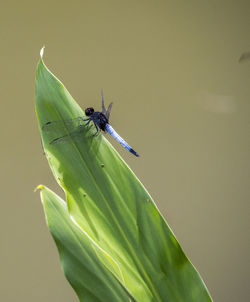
(120, 140)
(108, 110)
(105, 111)
(64, 125)
(103, 106)
(75, 135)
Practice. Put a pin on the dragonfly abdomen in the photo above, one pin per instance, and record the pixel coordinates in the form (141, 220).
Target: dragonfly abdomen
(120, 140)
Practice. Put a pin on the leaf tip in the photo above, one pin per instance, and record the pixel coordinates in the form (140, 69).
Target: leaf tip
(39, 187)
(42, 52)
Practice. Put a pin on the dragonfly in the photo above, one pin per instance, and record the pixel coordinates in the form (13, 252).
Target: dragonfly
(99, 119)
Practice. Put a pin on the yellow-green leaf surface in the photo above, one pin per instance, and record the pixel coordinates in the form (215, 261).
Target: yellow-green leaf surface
(112, 209)
(81, 263)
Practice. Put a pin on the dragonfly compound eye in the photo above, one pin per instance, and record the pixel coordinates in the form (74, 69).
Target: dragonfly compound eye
(89, 111)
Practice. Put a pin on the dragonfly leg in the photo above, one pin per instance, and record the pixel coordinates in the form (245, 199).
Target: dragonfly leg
(88, 121)
(84, 125)
(97, 130)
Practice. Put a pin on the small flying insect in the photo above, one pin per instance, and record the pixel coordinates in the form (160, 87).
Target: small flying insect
(100, 120)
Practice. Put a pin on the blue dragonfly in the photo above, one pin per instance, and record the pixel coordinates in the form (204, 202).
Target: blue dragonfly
(99, 119)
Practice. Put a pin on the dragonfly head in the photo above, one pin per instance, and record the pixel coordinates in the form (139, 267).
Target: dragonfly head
(89, 111)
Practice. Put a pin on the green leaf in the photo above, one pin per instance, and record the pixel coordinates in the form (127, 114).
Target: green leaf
(91, 280)
(111, 207)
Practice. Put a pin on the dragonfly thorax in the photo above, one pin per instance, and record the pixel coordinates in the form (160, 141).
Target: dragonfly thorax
(99, 119)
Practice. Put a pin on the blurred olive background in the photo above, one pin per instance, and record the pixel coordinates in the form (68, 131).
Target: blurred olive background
(181, 99)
